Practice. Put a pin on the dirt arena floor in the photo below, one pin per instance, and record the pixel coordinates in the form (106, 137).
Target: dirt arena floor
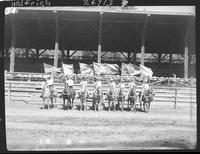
(31, 128)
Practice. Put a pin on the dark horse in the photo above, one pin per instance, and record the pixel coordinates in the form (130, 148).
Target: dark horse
(83, 95)
(111, 96)
(121, 98)
(146, 99)
(97, 96)
(69, 95)
(132, 98)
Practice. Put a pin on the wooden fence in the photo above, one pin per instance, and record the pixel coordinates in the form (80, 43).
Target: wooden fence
(29, 92)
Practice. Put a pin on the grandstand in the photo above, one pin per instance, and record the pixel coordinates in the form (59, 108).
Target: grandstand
(131, 32)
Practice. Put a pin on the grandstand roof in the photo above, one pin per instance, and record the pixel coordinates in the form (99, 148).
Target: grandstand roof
(122, 28)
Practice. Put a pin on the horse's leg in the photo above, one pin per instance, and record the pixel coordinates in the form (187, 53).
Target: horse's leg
(82, 104)
(108, 104)
(122, 105)
(51, 99)
(68, 103)
(85, 104)
(43, 101)
(94, 105)
(55, 100)
(113, 104)
(128, 103)
(131, 105)
(140, 104)
(63, 103)
(97, 103)
(48, 103)
(73, 102)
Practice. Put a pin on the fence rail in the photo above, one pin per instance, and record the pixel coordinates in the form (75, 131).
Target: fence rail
(30, 92)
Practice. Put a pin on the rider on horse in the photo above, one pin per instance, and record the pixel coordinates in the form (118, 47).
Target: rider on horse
(132, 96)
(48, 92)
(97, 93)
(111, 95)
(83, 95)
(68, 93)
(121, 95)
(147, 93)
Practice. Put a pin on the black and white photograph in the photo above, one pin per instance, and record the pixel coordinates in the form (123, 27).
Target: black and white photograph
(101, 77)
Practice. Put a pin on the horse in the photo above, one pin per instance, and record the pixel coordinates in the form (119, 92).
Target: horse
(121, 98)
(83, 95)
(111, 96)
(132, 97)
(146, 99)
(68, 94)
(97, 97)
(49, 94)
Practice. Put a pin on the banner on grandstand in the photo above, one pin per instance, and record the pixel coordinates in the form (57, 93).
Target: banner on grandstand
(105, 69)
(112, 69)
(50, 69)
(124, 69)
(133, 69)
(68, 69)
(86, 69)
(130, 69)
(145, 71)
(99, 68)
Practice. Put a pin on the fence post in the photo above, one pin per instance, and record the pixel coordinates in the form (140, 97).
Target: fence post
(9, 93)
(175, 98)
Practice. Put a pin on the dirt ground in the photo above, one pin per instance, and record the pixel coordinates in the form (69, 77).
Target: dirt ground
(30, 128)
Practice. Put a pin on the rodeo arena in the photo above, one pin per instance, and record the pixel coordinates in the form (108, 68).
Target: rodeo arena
(100, 78)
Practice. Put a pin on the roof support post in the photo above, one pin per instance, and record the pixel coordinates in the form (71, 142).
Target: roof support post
(143, 39)
(100, 37)
(186, 54)
(12, 55)
(170, 61)
(56, 40)
(186, 62)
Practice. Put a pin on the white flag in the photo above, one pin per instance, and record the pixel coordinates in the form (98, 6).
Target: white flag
(145, 71)
(68, 69)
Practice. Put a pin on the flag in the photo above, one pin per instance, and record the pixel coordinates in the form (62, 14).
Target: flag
(50, 69)
(68, 69)
(99, 68)
(133, 69)
(124, 70)
(86, 69)
(112, 69)
(145, 71)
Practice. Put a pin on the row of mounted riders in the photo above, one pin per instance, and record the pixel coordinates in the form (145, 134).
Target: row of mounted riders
(115, 98)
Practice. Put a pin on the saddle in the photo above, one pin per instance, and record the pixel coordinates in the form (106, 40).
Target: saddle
(97, 94)
(121, 96)
(83, 94)
(148, 95)
(132, 95)
(110, 95)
